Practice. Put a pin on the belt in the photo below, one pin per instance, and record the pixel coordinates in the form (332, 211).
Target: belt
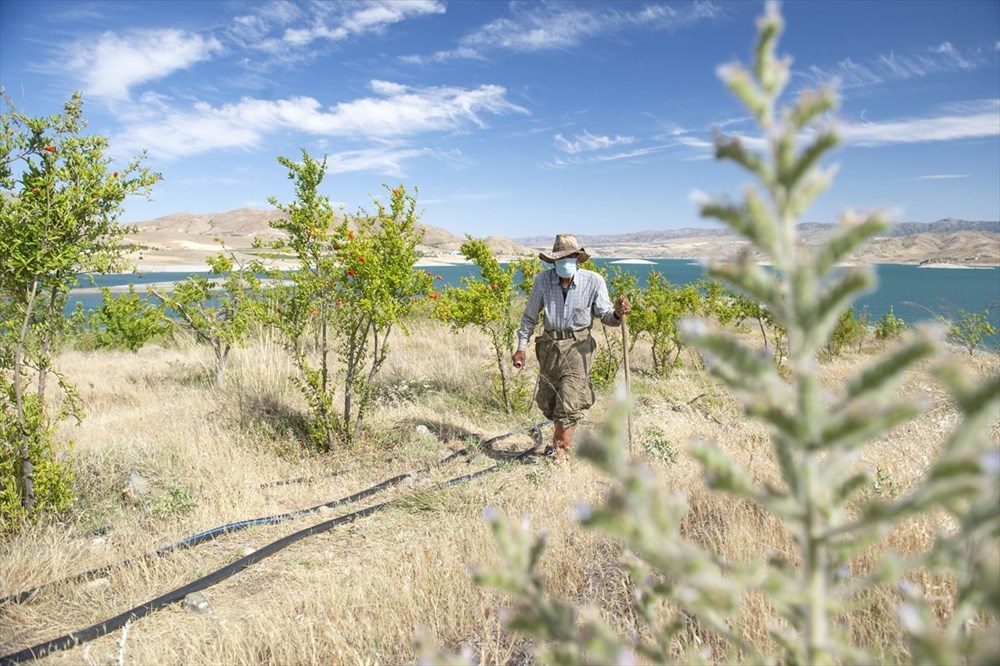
(565, 335)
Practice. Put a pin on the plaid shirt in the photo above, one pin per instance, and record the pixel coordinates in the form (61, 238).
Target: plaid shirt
(586, 298)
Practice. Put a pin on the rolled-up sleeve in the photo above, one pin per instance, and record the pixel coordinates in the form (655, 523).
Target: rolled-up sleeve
(530, 316)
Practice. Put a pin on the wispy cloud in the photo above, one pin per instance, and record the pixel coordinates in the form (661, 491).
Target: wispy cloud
(921, 130)
(384, 160)
(287, 30)
(370, 17)
(976, 119)
(116, 63)
(390, 160)
(579, 160)
(588, 142)
(394, 111)
(548, 26)
(941, 58)
(941, 176)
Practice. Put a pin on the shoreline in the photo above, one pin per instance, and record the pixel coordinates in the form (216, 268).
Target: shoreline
(152, 266)
(144, 266)
(178, 264)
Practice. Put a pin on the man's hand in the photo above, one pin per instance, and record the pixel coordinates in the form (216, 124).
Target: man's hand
(622, 306)
(518, 359)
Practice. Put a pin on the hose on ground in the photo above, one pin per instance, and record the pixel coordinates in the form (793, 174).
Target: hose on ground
(100, 629)
(216, 532)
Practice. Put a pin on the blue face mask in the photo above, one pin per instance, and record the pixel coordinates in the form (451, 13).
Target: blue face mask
(566, 268)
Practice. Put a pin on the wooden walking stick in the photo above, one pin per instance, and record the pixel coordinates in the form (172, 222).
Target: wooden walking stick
(628, 380)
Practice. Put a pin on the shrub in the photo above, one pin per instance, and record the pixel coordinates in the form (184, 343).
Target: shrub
(59, 209)
(219, 314)
(52, 475)
(656, 311)
(486, 302)
(970, 329)
(528, 269)
(849, 332)
(889, 327)
(355, 282)
(126, 321)
(822, 499)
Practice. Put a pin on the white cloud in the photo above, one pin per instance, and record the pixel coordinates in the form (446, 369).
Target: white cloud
(968, 107)
(891, 66)
(587, 142)
(389, 160)
(596, 158)
(975, 119)
(547, 26)
(378, 15)
(404, 111)
(384, 160)
(254, 27)
(287, 30)
(950, 52)
(394, 112)
(921, 130)
(116, 63)
(941, 176)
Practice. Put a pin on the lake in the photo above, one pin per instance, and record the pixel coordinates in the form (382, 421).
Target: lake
(915, 294)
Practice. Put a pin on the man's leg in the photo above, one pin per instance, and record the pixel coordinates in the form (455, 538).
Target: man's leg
(562, 440)
(576, 393)
(547, 393)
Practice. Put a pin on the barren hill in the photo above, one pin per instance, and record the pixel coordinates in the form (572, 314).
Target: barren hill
(185, 239)
(946, 241)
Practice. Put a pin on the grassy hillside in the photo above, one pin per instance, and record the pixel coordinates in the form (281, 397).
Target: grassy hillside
(366, 591)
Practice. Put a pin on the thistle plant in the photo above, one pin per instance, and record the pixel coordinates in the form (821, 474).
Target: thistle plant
(822, 497)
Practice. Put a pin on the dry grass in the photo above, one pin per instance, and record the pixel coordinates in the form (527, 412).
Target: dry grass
(363, 592)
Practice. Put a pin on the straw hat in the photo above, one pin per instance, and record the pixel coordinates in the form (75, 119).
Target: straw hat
(564, 246)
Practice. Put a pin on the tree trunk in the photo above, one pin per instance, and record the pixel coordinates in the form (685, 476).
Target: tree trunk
(763, 331)
(357, 342)
(378, 358)
(221, 354)
(27, 469)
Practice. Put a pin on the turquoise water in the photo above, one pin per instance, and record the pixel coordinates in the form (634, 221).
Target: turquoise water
(915, 294)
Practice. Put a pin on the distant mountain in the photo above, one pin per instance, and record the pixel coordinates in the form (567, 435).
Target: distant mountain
(947, 225)
(189, 233)
(650, 236)
(945, 241)
(239, 223)
(185, 238)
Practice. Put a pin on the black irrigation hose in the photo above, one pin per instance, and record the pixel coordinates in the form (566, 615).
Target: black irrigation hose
(301, 479)
(120, 620)
(216, 532)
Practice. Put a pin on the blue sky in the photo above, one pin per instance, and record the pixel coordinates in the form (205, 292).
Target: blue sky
(512, 118)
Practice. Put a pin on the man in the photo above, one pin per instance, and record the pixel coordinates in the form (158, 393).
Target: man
(570, 298)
